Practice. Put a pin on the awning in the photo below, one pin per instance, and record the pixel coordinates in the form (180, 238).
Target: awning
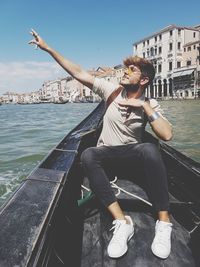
(187, 72)
(182, 73)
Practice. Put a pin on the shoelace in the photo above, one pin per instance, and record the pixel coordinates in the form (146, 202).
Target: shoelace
(117, 224)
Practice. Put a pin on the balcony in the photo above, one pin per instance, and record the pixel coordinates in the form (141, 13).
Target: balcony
(158, 76)
(157, 57)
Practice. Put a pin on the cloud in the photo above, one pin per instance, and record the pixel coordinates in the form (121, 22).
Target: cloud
(27, 76)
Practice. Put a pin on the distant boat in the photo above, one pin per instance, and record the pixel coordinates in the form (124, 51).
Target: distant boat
(61, 100)
(45, 100)
(49, 221)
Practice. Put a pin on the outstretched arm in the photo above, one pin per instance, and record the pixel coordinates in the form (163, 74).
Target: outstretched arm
(73, 69)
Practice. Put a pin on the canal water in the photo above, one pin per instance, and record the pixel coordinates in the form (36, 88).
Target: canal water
(28, 132)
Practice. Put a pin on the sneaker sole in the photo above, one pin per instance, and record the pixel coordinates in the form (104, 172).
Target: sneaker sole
(159, 256)
(118, 256)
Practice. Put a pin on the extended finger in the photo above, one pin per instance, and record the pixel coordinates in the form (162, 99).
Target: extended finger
(34, 33)
(32, 42)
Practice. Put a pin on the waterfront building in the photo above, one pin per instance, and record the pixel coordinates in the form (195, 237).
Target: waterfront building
(108, 74)
(34, 97)
(168, 50)
(73, 89)
(186, 80)
(10, 98)
(50, 91)
(77, 92)
(119, 72)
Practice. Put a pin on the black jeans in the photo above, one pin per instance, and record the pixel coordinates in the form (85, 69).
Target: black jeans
(99, 161)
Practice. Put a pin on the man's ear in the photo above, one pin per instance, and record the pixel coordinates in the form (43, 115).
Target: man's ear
(144, 80)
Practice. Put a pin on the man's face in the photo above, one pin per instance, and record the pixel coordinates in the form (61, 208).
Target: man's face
(132, 76)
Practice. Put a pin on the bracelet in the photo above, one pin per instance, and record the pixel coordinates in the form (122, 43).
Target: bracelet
(154, 116)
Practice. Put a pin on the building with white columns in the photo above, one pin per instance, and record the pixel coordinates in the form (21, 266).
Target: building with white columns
(166, 49)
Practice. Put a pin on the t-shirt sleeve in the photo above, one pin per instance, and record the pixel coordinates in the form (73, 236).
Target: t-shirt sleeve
(103, 88)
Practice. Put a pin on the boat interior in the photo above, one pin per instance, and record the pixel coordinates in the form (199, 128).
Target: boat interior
(85, 230)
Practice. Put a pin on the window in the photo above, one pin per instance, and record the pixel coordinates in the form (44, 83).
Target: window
(194, 47)
(179, 31)
(179, 45)
(160, 50)
(184, 49)
(143, 54)
(170, 65)
(194, 34)
(159, 68)
(160, 37)
(155, 66)
(135, 47)
(171, 33)
(151, 51)
(155, 38)
(178, 64)
(170, 47)
(188, 62)
(147, 42)
(143, 43)
(155, 50)
(189, 48)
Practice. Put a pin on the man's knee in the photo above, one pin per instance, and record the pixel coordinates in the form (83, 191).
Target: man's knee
(88, 155)
(150, 150)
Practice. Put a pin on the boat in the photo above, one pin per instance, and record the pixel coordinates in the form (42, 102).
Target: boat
(54, 220)
(61, 100)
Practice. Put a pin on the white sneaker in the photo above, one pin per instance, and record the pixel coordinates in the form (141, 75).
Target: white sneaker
(161, 246)
(121, 235)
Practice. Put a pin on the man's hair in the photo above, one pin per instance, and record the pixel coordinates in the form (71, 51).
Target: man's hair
(145, 66)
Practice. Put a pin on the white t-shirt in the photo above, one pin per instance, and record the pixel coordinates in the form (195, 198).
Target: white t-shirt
(117, 130)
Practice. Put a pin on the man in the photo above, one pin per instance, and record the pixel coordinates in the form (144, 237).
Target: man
(121, 140)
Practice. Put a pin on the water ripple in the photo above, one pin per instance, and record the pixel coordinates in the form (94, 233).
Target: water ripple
(28, 132)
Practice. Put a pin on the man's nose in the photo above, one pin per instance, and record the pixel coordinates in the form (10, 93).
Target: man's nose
(126, 70)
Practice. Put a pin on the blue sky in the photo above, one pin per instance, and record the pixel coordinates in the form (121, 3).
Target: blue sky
(91, 33)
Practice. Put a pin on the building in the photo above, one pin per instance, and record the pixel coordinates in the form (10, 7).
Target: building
(186, 80)
(168, 50)
(10, 98)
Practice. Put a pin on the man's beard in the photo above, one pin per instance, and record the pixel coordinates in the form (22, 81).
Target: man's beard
(131, 87)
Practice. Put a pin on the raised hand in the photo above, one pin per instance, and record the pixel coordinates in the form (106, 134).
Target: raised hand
(132, 102)
(38, 41)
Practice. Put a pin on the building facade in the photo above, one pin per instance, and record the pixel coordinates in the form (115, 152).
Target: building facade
(168, 51)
